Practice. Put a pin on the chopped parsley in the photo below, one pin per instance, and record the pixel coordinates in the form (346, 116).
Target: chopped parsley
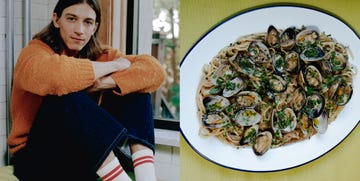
(251, 135)
(214, 107)
(311, 52)
(280, 62)
(246, 64)
(284, 120)
(230, 85)
(335, 62)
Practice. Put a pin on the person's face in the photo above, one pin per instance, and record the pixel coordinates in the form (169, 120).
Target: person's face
(76, 25)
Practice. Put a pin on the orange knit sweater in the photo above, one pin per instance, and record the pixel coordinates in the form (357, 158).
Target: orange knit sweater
(39, 71)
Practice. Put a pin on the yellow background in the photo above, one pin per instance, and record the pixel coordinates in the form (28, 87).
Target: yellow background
(342, 163)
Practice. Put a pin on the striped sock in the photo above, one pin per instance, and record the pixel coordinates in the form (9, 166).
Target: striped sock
(113, 172)
(143, 162)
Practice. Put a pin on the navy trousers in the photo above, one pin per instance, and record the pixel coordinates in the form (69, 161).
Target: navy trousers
(71, 135)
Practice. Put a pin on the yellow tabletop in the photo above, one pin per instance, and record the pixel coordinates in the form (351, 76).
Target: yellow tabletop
(341, 163)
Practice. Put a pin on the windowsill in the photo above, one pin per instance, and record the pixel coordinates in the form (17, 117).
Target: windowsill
(167, 137)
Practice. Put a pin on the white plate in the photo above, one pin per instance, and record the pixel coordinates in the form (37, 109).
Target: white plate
(228, 31)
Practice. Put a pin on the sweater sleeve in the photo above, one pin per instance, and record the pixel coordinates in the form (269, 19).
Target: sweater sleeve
(144, 75)
(41, 71)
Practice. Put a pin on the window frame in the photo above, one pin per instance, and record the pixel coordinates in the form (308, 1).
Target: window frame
(135, 37)
(140, 24)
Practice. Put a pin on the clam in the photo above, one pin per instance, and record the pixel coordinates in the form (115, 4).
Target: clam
(249, 134)
(287, 38)
(215, 119)
(213, 90)
(326, 67)
(334, 87)
(301, 80)
(258, 52)
(215, 103)
(299, 99)
(304, 123)
(234, 134)
(312, 54)
(245, 65)
(292, 62)
(320, 123)
(247, 117)
(343, 94)
(307, 36)
(248, 99)
(279, 63)
(273, 36)
(233, 86)
(284, 120)
(262, 143)
(313, 77)
(273, 121)
(338, 62)
(223, 72)
(277, 84)
(315, 105)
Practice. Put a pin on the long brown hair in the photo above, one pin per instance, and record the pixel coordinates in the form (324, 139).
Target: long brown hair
(51, 35)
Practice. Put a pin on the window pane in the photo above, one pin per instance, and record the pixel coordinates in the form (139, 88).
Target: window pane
(165, 47)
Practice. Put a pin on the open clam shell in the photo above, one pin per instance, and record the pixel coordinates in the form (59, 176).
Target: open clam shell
(248, 99)
(279, 63)
(287, 38)
(245, 65)
(315, 105)
(312, 54)
(233, 86)
(259, 52)
(234, 134)
(307, 36)
(299, 99)
(249, 134)
(284, 120)
(247, 117)
(262, 143)
(277, 84)
(338, 62)
(293, 63)
(215, 103)
(320, 123)
(222, 72)
(215, 119)
(304, 123)
(272, 36)
(343, 94)
(313, 77)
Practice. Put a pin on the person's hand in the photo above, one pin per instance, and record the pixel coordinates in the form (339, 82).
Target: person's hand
(121, 64)
(101, 84)
(102, 69)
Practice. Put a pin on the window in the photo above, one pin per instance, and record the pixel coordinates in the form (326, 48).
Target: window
(150, 27)
(165, 46)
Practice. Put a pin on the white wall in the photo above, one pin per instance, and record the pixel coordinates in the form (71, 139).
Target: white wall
(41, 11)
(2, 81)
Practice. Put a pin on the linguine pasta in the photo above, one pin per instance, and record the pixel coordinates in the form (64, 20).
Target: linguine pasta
(269, 89)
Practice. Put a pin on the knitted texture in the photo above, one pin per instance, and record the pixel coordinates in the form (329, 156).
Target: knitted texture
(39, 71)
